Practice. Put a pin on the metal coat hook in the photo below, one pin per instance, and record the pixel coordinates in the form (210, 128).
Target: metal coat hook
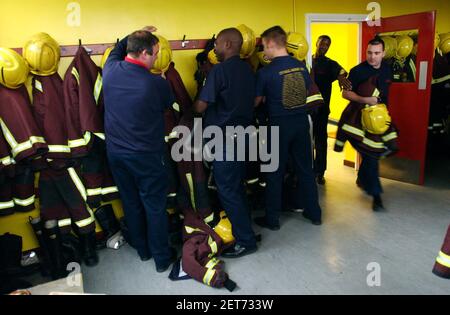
(184, 42)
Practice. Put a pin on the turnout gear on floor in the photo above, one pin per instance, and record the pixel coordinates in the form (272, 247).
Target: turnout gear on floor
(442, 265)
(107, 220)
(42, 53)
(249, 43)
(13, 68)
(164, 56)
(297, 46)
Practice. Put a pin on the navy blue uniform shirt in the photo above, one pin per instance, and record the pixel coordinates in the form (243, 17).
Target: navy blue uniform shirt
(135, 101)
(285, 83)
(326, 71)
(362, 72)
(229, 91)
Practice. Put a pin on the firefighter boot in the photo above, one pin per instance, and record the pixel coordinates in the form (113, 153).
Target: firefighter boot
(52, 237)
(110, 226)
(88, 248)
(44, 253)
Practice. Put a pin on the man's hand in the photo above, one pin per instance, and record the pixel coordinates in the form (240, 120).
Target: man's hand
(371, 100)
(150, 29)
(344, 83)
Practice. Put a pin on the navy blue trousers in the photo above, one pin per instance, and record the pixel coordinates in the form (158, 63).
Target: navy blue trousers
(143, 185)
(368, 175)
(294, 141)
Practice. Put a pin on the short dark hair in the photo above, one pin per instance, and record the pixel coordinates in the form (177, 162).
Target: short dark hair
(377, 41)
(140, 41)
(277, 34)
(324, 37)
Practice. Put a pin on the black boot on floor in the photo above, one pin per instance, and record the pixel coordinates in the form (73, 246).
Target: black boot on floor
(52, 237)
(44, 254)
(112, 235)
(377, 204)
(88, 248)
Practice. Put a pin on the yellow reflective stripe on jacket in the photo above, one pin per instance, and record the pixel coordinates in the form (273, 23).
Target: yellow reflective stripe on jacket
(172, 135)
(7, 161)
(76, 75)
(390, 136)
(100, 135)
(17, 148)
(253, 181)
(313, 98)
(25, 202)
(94, 192)
(78, 183)
(6, 205)
(440, 80)
(176, 107)
(109, 190)
(373, 144)
(210, 218)
(191, 189)
(209, 275)
(212, 263)
(172, 195)
(98, 88)
(353, 130)
(376, 93)
(85, 222)
(80, 142)
(340, 143)
(213, 245)
(191, 230)
(64, 222)
(58, 149)
(412, 64)
(38, 86)
(443, 259)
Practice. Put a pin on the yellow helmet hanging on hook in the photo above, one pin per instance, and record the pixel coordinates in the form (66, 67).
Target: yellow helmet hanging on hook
(249, 43)
(13, 69)
(212, 57)
(263, 58)
(164, 58)
(42, 53)
(405, 46)
(390, 46)
(444, 45)
(297, 46)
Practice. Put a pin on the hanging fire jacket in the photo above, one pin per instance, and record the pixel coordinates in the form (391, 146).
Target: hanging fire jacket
(201, 246)
(6, 173)
(440, 94)
(442, 266)
(83, 103)
(84, 108)
(350, 127)
(48, 110)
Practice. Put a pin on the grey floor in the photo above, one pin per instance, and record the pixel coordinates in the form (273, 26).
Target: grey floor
(330, 259)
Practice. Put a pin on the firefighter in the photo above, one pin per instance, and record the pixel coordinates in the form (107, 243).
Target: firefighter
(442, 265)
(377, 72)
(289, 95)
(227, 100)
(325, 72)
(135, 101)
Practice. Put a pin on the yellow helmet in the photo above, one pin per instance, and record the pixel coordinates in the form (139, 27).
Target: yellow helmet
(405, 46)
(42, 53)
(263, 58)
(106, 56)
(390, 46)
(297, 45)
(414, 50)
(444, 45)
(437, 40)
(212, 57)
(164, 59)
(224, 229)
(13, 69)
(249, 44)
(376, 119)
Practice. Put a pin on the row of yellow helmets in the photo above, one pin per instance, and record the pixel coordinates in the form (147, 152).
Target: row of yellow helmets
(400, 47)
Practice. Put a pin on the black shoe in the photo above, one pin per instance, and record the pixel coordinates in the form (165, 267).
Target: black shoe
(173, 259)
(261, 221)
(238, 251)
(377, 204)
(359, 184)
(315, 222)
(258, 238)
(145, 258)
(321, 180)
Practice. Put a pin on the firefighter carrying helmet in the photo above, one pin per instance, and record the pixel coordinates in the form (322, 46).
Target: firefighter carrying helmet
(405, 46)
(164, 58)
(13, 69)
(224, 229)
(376, 119)
(444, 45)
(249, 43)
(297, 46)
(106, 56)
(390, 46)
(42, 53)
(212, 57)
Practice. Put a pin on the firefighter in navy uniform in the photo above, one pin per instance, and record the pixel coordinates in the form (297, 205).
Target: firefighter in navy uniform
(325, 72)
(227, 100)
(289, 95)
(376, 73)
